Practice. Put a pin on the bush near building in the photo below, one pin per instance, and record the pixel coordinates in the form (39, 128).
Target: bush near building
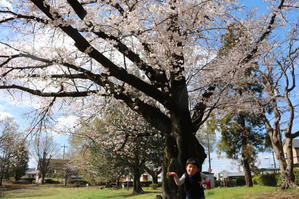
(296, 172)
(273, 179)
(266, 179)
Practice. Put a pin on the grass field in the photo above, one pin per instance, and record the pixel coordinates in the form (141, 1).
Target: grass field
(58, 192)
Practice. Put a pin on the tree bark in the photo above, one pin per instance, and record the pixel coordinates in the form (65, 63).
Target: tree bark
(247, 171)
(155, 179)
(245, 154)
(285, 162)
(1, 179)
(137, 188)
(181, 143)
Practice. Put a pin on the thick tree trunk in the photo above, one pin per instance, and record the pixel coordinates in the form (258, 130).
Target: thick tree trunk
(245, 155)
(247, 171)
(181, 143)
(137, 188)
(1, 179)
(43, 179)
(285, 162)
(65, 179)
(287, 176)
(155, 179)
(174, 160)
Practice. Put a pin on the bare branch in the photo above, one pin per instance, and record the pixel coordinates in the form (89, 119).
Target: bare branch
(290, 6)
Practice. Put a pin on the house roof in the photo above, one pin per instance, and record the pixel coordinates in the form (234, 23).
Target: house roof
(231, 174)
(32, 171)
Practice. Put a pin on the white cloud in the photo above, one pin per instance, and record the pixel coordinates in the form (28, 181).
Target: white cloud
(4, 115)
(219, 164)
(1, 107)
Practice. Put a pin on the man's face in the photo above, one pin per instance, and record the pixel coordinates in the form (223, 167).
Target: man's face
(192, 169)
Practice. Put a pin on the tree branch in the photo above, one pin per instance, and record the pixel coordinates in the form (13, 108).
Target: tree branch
(20, 16)
(264, 35)
(78, 8)
(83, 45)
(50, 94)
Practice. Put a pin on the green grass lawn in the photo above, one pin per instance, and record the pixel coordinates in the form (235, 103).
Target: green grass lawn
(55, 192)
(58, 192)
(239, 192)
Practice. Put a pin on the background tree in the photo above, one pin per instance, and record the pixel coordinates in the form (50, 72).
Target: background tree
(43, 149)
(154, 166)
(127, 142)
(11, 149)
(136, 143)
(279, 81)
(172, 43)
(89, 158)
(242, 138)
(22, 158)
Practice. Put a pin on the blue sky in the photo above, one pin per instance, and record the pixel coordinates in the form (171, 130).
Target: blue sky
(218, 164)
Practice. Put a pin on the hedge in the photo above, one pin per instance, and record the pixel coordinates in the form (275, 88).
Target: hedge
(266, 179)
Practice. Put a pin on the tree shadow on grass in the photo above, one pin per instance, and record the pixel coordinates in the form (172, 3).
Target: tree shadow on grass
(135, 194)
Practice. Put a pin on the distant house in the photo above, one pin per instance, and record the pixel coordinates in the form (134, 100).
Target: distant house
(31, 173)
(269, 170)
(229, 175)
(145, 177)
(295, 152)
(56, 166)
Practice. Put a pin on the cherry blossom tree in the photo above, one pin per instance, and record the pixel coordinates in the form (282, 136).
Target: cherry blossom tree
(65, 50)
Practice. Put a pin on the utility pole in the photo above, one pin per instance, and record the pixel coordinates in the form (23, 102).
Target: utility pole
(65, 167)
(209, 153)
(63, 151)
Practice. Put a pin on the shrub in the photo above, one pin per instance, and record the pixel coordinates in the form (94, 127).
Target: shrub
(278, 179)
(255, 180)
(266, 179)
(26, 180)
(296, 173)
(154, 186)
(240, 181)
(218, 183)
(52, 181)
(79, 182)
(145, 184)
